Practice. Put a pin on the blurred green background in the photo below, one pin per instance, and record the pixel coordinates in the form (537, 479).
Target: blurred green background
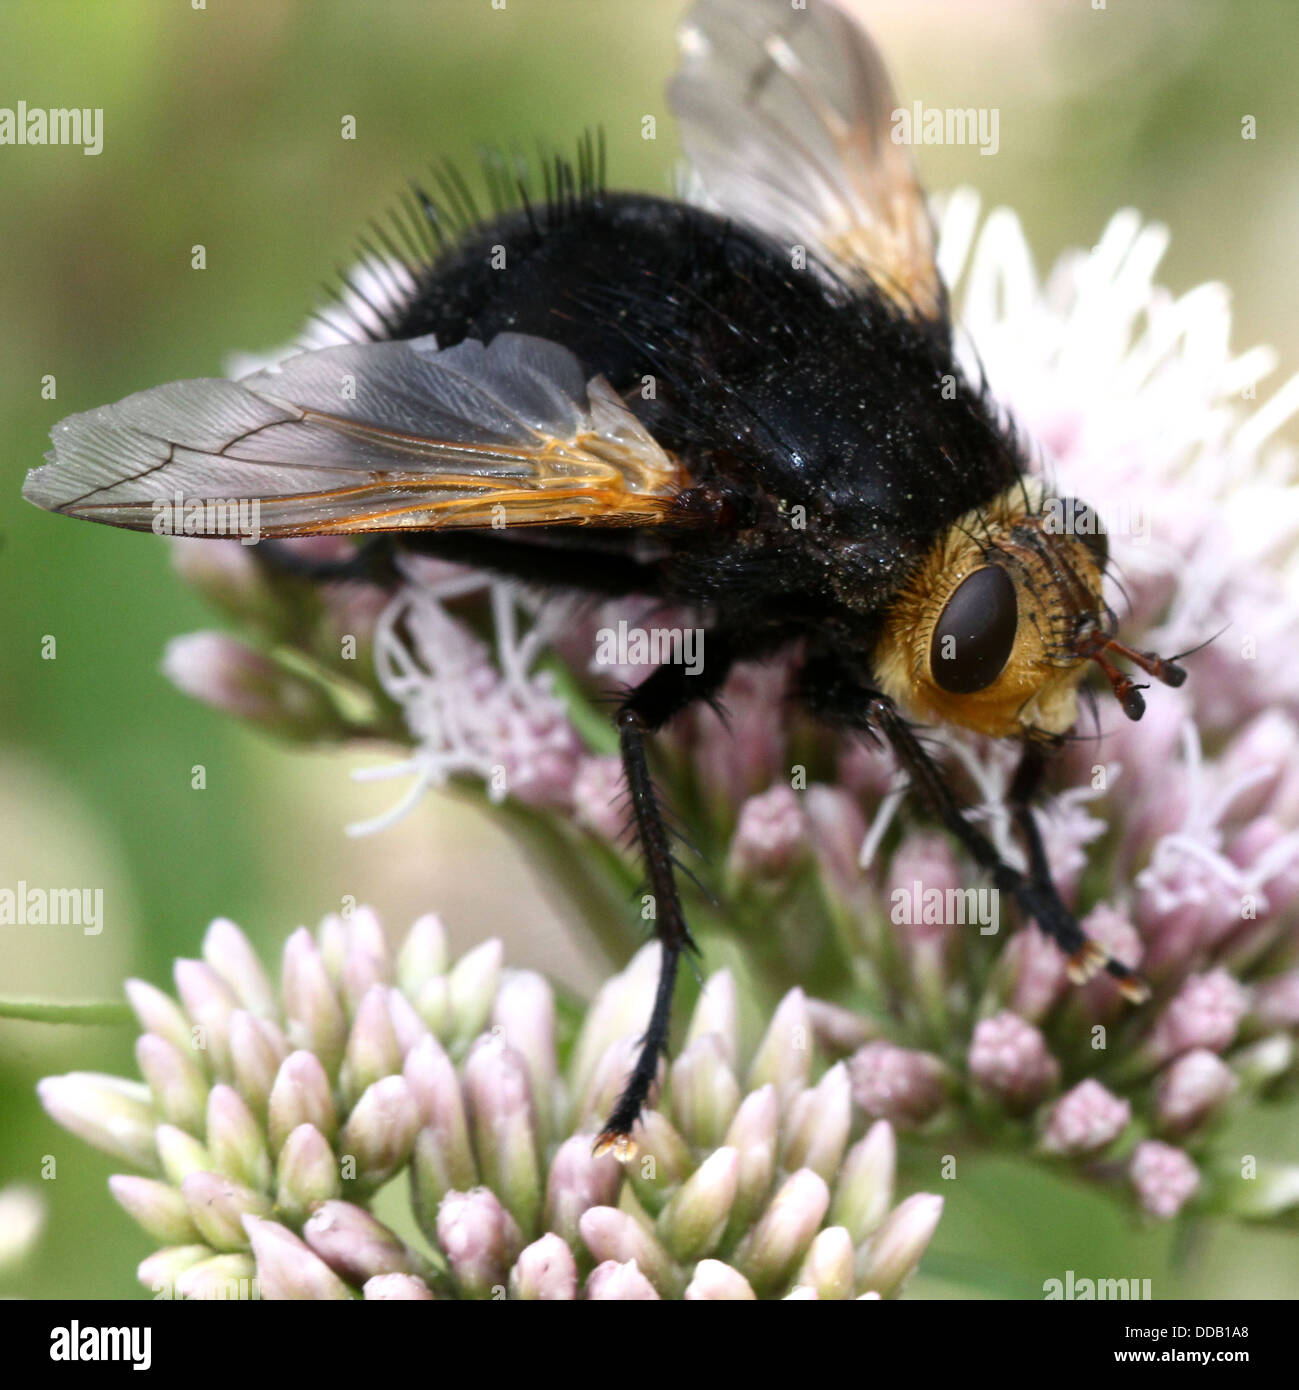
(222, 127)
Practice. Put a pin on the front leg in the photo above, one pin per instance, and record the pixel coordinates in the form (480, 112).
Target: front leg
(1086, 957)
(837, 696)
(650, 706)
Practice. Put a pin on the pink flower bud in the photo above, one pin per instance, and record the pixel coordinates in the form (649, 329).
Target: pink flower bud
(577, 1181)
(1190, 1089)
(545, 1271)
(897, 1083)
(423, 954)
(257, 1051)
(864, 1190)
(356, 1245)
(1085, 1120)
(480, 1240)
(396, 1288)
(621, 1281)
(316, 1022)
(1164, 1178)
(380, 1131)
(897, 1247)
(217, 1207)
(306, 1173)
(695, 1218)
(737, 758)
(829, 1269)
(1009, 1059)
(498, 1099)
(816, 1131)
(769, 835)
(613, 1235)
(1205, 1012)
(301, 1094)
(719, 1282)
(228, 951)
(705, 1093)
(159, 1013)
(784, 1056)
(241, 681)
(226, 573)
(156, 1207)
(771, 1251)
(112, 1114)
(209, 1002)
(287, 1268)
(372, 1050)
(234, 1139)
(177, 1081)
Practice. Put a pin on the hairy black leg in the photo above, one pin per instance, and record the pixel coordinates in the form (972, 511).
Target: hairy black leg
(1085, 956)
(667, 692)
(838, 696)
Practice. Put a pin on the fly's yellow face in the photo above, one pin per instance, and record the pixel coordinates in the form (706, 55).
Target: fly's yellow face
(992, 631)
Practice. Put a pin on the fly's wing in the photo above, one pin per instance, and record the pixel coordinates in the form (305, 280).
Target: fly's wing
(367, 437)
(787, 116)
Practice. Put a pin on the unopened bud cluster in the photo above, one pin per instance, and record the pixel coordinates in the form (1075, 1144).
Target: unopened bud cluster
(268, 1120)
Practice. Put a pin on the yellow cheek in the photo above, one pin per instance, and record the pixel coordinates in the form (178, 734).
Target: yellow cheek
(1027, 697)
(1055, 710)
(997, 712)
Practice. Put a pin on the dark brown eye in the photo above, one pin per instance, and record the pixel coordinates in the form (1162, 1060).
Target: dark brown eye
(975, 632)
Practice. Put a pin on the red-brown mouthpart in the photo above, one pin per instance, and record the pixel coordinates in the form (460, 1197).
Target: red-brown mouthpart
(1095, 646)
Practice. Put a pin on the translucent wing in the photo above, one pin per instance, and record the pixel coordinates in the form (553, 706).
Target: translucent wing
(367, 437)
(787, 117)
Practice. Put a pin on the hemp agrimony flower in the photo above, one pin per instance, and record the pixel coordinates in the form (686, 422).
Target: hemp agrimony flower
(268, 1122)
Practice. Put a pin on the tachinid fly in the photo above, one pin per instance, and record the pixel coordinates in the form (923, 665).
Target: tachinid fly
(810, 468)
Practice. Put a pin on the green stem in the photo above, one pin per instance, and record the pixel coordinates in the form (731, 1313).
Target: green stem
(107, 1011)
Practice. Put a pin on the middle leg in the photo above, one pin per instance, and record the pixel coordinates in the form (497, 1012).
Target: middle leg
(668, 691)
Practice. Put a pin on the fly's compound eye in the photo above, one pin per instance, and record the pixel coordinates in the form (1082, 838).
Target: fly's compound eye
(975, 632)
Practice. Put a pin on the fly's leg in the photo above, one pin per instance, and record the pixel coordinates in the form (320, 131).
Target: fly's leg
(668, 691)
(838, 696)
(1086, 957)
(1034, 892)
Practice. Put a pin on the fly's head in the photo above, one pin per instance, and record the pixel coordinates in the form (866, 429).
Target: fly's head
(996, 625)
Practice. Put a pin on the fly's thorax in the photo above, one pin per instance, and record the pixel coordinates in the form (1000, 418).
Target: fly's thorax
(985, 632)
